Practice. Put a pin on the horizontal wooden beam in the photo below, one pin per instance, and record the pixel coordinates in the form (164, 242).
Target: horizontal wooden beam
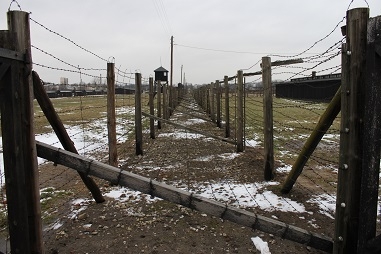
(248, 74)
(286, 62)
(184, 198)
(190, 129)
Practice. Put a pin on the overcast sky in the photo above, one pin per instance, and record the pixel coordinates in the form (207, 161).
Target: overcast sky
(137, 34)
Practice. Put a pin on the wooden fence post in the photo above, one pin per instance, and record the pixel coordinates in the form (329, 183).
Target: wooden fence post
(218, 102)
(240, 126)
(372, 142)
(165, 101)
(351, 138)
(207, 98)
(111, 121)
(151, 109)
(227, 109)
(19, 145)
(212, 103)
(159, 106)
(269, 170)
(138, 115)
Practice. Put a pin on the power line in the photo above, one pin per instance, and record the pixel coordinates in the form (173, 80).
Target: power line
(229, 51)
(162, 14)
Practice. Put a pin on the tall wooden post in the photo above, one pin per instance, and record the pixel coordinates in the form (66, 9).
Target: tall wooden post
(165, 101)
(269, 170)
(240, 126)
(218, 103)
(227, 107)
(138, 115)
(111, 121)
(19, 145)
(372, 141)
(151, 109)
(352, 136)
(207, 98)
(159, 106)
(212, 103)
(170, 108)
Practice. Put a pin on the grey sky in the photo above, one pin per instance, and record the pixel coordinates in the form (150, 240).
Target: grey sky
(137, 34)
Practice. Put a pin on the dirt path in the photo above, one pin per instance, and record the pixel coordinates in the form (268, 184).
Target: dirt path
(130, 222)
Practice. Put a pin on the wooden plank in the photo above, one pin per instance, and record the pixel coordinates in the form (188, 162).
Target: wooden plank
(184, 198)
(249, 74)
(346, 235)
(372, 138)
(287, 62)
(313, 140)
(190, 129)
(269, 171)
(138, 115)
(11, 55)
(111, 118)
(59, 129)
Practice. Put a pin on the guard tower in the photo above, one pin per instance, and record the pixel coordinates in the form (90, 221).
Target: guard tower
(161, 74)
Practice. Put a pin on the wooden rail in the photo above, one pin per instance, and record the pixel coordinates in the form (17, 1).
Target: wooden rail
(178, 196)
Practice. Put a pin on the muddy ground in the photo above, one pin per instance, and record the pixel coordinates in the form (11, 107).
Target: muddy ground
(140, 224)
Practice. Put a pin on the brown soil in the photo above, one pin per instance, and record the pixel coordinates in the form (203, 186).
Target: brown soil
(144, 225)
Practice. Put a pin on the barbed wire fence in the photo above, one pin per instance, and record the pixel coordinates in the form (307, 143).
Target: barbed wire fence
(293, 121)
(82, 130)
(83, 113)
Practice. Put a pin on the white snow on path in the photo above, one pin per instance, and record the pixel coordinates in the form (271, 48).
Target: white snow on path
(250, 195)
(184, 135)
(124, 194)
(193, 121)
(261, 245)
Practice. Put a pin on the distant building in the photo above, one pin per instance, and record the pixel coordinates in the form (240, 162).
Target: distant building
(64, 81)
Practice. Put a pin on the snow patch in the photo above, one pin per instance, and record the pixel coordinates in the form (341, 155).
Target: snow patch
(261, 245)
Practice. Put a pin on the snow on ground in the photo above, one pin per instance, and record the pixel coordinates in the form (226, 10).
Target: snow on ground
(326, 203)
(91, 138)
(243, 195)
(184, 135)
(249, 195)
(124, 194)
(193, 121)
(261, 245)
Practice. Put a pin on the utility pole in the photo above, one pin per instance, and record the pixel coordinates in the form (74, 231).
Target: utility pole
(170, 80)
(181, 77)
(171, 77)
